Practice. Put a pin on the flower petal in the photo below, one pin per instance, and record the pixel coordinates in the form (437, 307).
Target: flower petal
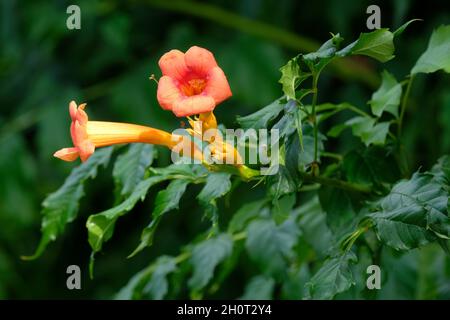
(193, 105)
(86, 149)
(168, 93)
(73, 110)
(199, 60)
(67, 154)
(172, 64)
(78, 132)
(82, 116)
(217, 86)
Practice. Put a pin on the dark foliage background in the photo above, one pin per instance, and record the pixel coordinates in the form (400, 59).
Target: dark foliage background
(43, 66)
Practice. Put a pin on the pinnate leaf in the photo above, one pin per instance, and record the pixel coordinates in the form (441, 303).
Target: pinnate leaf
(61, 207)
(129, 168)
(206, 255)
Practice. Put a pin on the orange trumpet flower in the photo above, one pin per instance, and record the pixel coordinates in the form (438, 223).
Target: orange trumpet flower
(88, 135)
(192, 82)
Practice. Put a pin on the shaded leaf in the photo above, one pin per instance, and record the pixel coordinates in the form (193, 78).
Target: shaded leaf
(413, 213)
(373, 166)
(245, 214)
(165, 201)
(158, 285)
(129, 168)
(298, 158)
(335, 276)
(312, 222)
(441, 170)
(151, 281)
(101, 225)
(261, 118)
(217, 185)
(206, 255)
(271, 246)
(281, 183)
(61, 207)
(338, 206)
(259, 288)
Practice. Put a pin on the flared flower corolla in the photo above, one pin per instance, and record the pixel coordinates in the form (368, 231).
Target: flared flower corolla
(88, 135)
(192, 82)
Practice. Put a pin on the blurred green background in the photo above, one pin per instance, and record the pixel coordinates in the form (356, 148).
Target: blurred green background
(107, 63)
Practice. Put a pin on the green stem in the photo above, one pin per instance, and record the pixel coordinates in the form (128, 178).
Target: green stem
(332, 155)
(314, 116)
(347, 244)
(404, 105)
(356, 110)
(345, 185)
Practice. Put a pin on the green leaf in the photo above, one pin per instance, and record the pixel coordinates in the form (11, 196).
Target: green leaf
(245, 214)
(271, 246)
(368, 130)
(259, 288)
(338, 206)
(61, 207)
(441, 170)
(291, 77)
(206, 255)
(335, 276)
(151, 281)
(288, 122)
(387, 97)
(217, 185)
(312, 222)
(158, 285)
(165, 201)
(325, 54)
(374, 166)
(298, 124)
(261, 118)
(101, 225)
(129, 168)
(402, 28)
(128, 291)
(281, 183)
(282, 208)
(293, 287)
(413, 213)
(377, 44)
(336, 130)
(437, 56)
(300, 158)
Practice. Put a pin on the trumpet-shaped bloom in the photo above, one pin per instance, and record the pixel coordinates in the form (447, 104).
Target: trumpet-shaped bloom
(192, 82)
(88, 135)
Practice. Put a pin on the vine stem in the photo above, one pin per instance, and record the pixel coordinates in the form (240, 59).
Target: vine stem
(404, 105)
(350, 186)
(313, 106)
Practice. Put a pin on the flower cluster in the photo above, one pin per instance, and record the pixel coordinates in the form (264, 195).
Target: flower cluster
(192, 84)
